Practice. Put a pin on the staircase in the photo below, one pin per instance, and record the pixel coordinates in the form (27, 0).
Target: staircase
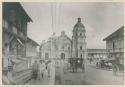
(20, 73)
(23, 76)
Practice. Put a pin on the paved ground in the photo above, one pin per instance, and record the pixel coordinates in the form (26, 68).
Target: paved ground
(44, 81)
(92, 76)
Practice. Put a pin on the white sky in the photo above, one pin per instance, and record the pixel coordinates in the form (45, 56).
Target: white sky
(100, 20)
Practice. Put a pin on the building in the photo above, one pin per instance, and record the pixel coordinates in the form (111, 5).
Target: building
(115, 44)
(31, 48)
(62, 47)
(96, 54)
(14, 31)
(31, 51)
(14, 40)
(14, 27)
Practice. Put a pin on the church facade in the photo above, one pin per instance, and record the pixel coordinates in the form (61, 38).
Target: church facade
(63, 47)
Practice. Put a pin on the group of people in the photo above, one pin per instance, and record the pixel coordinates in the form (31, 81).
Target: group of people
(41, 69)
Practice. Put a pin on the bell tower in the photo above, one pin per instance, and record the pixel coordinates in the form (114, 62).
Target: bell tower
(79, 40)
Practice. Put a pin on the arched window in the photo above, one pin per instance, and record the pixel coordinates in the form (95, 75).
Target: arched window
(62, 56)
(80, 47)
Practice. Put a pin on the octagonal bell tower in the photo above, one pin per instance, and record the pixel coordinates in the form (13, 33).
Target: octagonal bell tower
(79, 40)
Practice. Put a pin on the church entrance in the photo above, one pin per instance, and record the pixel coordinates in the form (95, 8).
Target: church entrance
(62, 56)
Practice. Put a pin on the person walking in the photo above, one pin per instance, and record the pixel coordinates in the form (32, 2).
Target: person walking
(35, 70)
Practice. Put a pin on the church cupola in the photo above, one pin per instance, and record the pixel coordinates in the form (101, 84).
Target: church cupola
(63, 33)
(79, 26)
(79, 19)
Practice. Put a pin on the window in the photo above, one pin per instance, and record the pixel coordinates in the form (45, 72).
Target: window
(113, 45)
(80, 34)
(62, 56)
(19, 23)
(46, 55)
(81, 56)
(57, 47)
(76, 35)
(5, 24)
(62, 47)
(68, 48)
(80, 47)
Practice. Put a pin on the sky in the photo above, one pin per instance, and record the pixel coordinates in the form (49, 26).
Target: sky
(99, 18)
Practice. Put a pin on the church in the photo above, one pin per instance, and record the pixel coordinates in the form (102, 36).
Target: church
(63, 47)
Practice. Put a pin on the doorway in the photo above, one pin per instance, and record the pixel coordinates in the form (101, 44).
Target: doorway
(46, 55)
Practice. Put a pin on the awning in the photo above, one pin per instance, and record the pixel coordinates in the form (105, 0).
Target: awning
(20, 41)
(15, 61)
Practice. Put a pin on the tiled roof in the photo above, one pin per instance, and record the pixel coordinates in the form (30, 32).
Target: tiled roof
(17, 6)
(29, 39)
(117, 33)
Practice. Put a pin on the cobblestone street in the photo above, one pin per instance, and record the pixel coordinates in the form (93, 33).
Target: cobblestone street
(92, 76)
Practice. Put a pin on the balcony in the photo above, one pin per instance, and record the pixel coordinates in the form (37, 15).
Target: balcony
(116, 50)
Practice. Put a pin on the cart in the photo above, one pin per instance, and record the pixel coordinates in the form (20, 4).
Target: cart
(76, 63)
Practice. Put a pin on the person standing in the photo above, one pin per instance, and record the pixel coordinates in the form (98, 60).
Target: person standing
(52, 72)
(42, 67)
(39, 70)
(114, 67)
(35, 70)
(48, 67)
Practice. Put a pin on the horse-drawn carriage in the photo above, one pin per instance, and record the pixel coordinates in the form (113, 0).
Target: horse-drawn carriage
(76, 63)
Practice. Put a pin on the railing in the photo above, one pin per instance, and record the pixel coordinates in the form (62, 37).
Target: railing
(20, 73)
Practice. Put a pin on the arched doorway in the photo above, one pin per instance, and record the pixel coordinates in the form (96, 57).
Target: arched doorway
(62, 56)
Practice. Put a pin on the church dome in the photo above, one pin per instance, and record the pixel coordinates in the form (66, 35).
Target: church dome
(79, 25)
